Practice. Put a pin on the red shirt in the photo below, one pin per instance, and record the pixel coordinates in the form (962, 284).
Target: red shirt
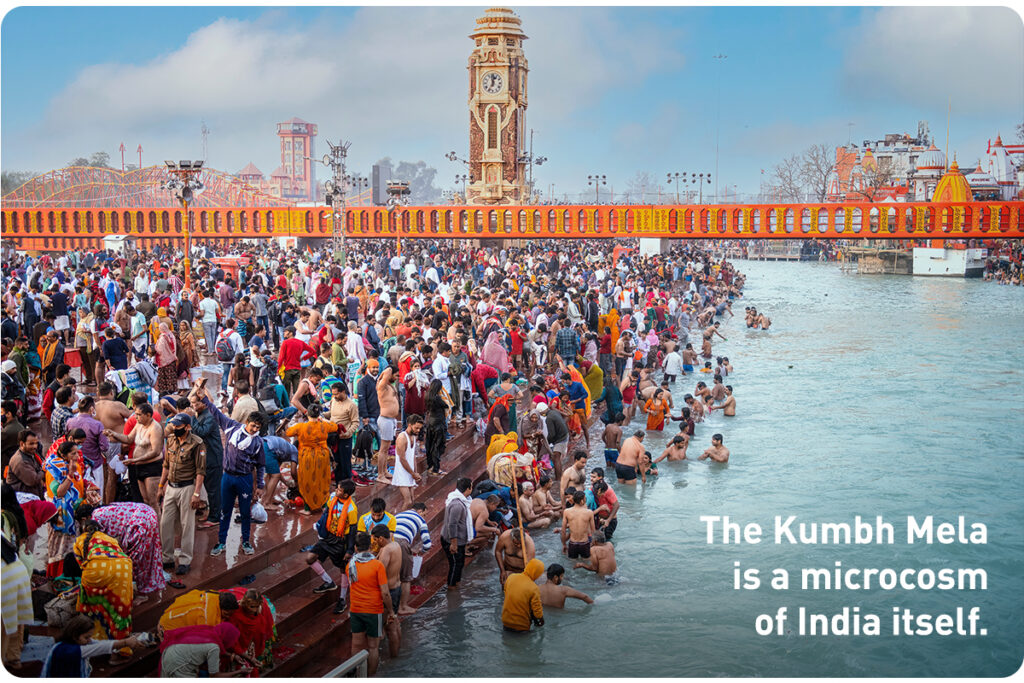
(517, 342)
(292, 353)
(607, 498)
(606, 344)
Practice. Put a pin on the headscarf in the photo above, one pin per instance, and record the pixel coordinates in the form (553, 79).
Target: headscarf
(494, 353)
(158, 321)
(166, 347)
(38, 513)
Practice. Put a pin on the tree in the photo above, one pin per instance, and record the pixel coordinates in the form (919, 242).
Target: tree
(98, 160)
(642, 188)
(786, 179)
(419, 176)
(817, 163)
(872, 180)
(12, 180)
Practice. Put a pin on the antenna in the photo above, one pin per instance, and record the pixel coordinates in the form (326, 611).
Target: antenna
(205, 132)
(949, 111)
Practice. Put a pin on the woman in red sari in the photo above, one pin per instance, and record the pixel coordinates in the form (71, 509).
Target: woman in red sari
(254, 620)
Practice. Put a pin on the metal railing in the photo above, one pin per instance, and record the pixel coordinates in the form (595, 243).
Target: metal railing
(356, 662)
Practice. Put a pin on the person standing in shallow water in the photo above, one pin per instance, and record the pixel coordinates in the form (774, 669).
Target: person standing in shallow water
(717, 452)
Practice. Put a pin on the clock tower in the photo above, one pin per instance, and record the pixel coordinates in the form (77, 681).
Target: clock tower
(497, 110)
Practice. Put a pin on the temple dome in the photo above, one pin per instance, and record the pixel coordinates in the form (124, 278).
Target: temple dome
(953, 187)
(931, 159)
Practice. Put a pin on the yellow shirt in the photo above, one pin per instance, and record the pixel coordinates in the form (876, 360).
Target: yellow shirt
(522, 597)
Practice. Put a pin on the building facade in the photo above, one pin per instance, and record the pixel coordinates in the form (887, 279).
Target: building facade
(295, 178)
(498, 81)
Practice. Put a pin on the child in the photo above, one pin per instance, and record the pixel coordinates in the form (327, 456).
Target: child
(69, 656)
(707, 368)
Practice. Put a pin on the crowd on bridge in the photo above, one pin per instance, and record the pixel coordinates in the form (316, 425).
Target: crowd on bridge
(140, 412)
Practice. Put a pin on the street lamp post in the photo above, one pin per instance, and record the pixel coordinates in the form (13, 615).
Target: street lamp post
(719, 59)
(336, 189)
(462, 178)
(700, 178)
(530, 159)
(675, 178)
(184, 183)
(597, 181)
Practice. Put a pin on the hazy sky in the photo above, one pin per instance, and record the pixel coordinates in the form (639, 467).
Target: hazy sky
(612, 90)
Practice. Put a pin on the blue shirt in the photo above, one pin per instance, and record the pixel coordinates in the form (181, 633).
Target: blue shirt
(410, 525)
(282, 449)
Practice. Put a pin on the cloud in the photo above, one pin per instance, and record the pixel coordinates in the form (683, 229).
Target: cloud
(922, 55)
(392, 80)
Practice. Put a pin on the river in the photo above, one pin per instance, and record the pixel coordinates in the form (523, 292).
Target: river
(870, 395)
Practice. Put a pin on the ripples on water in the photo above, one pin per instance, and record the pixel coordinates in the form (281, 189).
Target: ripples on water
(870, 395)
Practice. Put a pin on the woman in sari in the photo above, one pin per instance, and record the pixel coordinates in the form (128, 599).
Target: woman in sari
(417, 382)
(65, 488)
(188, 353)
(166, 361)
(494, 353)
(612, 321)
(254, 620)
(106, 592)
(656, 409)
(157, 323)
(136, 529)
(314, 474)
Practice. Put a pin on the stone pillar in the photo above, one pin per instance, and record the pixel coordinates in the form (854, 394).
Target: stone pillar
(653, 245)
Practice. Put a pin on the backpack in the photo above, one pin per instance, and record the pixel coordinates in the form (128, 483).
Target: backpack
(225, 351)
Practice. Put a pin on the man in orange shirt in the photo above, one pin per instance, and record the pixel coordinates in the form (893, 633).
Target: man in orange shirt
(371, 609)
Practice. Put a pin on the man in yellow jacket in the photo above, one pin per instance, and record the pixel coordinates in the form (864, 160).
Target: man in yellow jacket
(522, 598)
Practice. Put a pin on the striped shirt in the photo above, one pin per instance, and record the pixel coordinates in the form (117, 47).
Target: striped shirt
(410, 525)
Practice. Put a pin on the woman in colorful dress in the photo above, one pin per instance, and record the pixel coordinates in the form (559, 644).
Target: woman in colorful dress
(656, 409)
(166, 361)
(254, 620)
(106, 591)
(136, 529)
(314, 475)
(188, 353)
(417, 381)
(65, 488)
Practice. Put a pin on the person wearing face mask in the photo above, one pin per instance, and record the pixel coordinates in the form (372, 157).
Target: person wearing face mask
(184, 469)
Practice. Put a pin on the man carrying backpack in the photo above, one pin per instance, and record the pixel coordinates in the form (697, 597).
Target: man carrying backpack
(229, 343)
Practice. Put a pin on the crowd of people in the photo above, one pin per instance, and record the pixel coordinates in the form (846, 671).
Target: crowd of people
(138, 413)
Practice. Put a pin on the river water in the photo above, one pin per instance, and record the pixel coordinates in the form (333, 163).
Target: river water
(870, 395)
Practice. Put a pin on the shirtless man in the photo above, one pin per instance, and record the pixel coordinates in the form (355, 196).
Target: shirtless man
(531, 519)
(689, 359)
(544, 501)
(602, 558)
(612, 437)
(717, 390)
(480, 510)
(710, 332)
(629, 459)
(645, 386)
(508, 553)
(628, 389)
(112, 413)
(390, 555)
(675, 451)
(574, 476)
(717, 452)
(728, 406)
(387, 423)
(148, 437)
(577, 527)
(705, 348)
(554, 592)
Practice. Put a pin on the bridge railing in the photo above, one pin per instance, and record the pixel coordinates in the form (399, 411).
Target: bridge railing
(61, 227)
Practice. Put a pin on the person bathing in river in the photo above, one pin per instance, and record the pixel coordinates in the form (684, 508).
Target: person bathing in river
(717, 452)
(602, 558)
(554, 592)
(728, 406)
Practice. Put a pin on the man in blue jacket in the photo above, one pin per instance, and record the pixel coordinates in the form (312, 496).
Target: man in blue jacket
(243, 454)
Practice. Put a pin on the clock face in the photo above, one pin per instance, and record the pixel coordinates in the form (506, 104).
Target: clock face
(492, 82)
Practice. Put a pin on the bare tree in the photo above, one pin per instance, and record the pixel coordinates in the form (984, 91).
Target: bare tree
(644, 188)
(817, 165)
(786, 179)
(873, 179)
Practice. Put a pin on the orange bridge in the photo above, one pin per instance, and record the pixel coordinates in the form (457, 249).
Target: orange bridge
(50, 227)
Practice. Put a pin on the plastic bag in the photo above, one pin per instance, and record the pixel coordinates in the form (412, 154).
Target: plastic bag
(258, 513)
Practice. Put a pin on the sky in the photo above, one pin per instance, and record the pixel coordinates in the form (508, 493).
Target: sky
(612, 91)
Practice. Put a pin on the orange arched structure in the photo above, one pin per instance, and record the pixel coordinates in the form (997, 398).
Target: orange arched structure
(59, 227)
